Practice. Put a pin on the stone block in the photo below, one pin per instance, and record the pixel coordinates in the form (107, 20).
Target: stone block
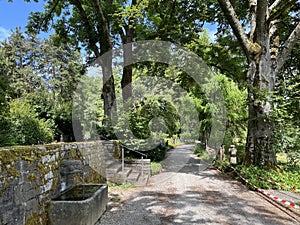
(72, 209)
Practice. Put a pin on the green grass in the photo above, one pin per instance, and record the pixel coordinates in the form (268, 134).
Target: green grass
(281, 157)
(121, 186)
(156, 168)
(284, 174)
(202, 153)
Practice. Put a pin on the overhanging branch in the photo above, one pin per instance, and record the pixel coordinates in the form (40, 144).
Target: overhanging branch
(274, 5)
(253, 7)
(277, 12)
(106, 45)
(48, 16)
(288, 47)
(90, 33)
(236, 26)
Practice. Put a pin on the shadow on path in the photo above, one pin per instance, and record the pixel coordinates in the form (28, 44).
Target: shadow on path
(191, 193)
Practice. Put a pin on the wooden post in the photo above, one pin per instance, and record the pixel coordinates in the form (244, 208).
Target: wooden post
(221, 154)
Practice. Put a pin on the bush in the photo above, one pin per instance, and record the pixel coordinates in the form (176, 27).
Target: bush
(5, 135)
(155, 155)
(155, 168)
(288, 175)
(158, 154)
(199, 150)
(26, 128)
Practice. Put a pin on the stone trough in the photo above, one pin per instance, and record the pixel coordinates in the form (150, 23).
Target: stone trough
(81, 205)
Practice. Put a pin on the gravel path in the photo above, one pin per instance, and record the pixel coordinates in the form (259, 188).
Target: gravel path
(190, 192)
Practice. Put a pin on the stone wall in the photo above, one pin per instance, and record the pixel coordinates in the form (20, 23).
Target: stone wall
(31, 175)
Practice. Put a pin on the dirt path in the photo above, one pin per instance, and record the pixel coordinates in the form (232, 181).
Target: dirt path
(190, 192)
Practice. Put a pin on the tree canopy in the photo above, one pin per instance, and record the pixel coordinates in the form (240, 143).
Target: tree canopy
(254, 56)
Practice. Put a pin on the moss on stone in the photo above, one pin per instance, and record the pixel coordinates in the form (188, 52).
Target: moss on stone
(32, 177)
(39, 218)
(11, 156)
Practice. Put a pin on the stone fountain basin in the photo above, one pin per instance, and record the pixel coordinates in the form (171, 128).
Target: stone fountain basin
(81, 205)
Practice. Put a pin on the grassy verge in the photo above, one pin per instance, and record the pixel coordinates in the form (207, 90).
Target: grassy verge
(121, 186)
(202, 153)
(285, 174)
(156, 168)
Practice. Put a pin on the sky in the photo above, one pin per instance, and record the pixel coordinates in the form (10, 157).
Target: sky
(15, 14)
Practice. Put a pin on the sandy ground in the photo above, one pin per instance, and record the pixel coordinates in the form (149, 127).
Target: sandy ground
(190, 192)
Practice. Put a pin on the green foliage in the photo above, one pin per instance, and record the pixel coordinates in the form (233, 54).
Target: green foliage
(287, 140)
(148, 109)
(286, 121)
(156, 155)
(236, 114)
(5, 137)
(286, 176)
(199, 150)
(26, 128)
(120, 187)
(43, 75)
(62, 118)
(235, 100)
(156, 168)
(88, 107)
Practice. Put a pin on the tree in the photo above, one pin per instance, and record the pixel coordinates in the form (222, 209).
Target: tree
(22, 54)
(82, 23)
(266, 55)
(5, 137)
(43, 75)
(26, 128)
(125, 19)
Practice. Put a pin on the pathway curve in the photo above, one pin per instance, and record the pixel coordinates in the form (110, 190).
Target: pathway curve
(190, 192)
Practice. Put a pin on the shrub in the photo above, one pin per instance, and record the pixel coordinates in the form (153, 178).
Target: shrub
(199, 150)
(155, 155)
(288, 175)
(158, 154)
(26, 128)
(5, 135)
(155, 168)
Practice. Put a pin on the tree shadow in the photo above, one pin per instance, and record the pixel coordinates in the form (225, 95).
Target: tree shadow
(198, 204)
(191, 207)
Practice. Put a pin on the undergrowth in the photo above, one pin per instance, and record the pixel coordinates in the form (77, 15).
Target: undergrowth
(284, 174)
(121, 186)
(156, 168)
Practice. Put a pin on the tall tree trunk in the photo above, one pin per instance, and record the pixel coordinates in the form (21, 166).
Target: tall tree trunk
(108, 91)
(127, 72)
(261, 80)
(96, 37)
(259, 149)
(127, 39)
(264, 62)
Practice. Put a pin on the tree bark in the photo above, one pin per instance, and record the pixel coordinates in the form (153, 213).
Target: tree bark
(108, 91)
(259, 149)
(264, 62)
(126, 82)
(127, 39)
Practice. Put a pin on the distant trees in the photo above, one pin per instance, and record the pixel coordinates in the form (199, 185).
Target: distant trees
(40, 78)
(257, 47)
(84, 24)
